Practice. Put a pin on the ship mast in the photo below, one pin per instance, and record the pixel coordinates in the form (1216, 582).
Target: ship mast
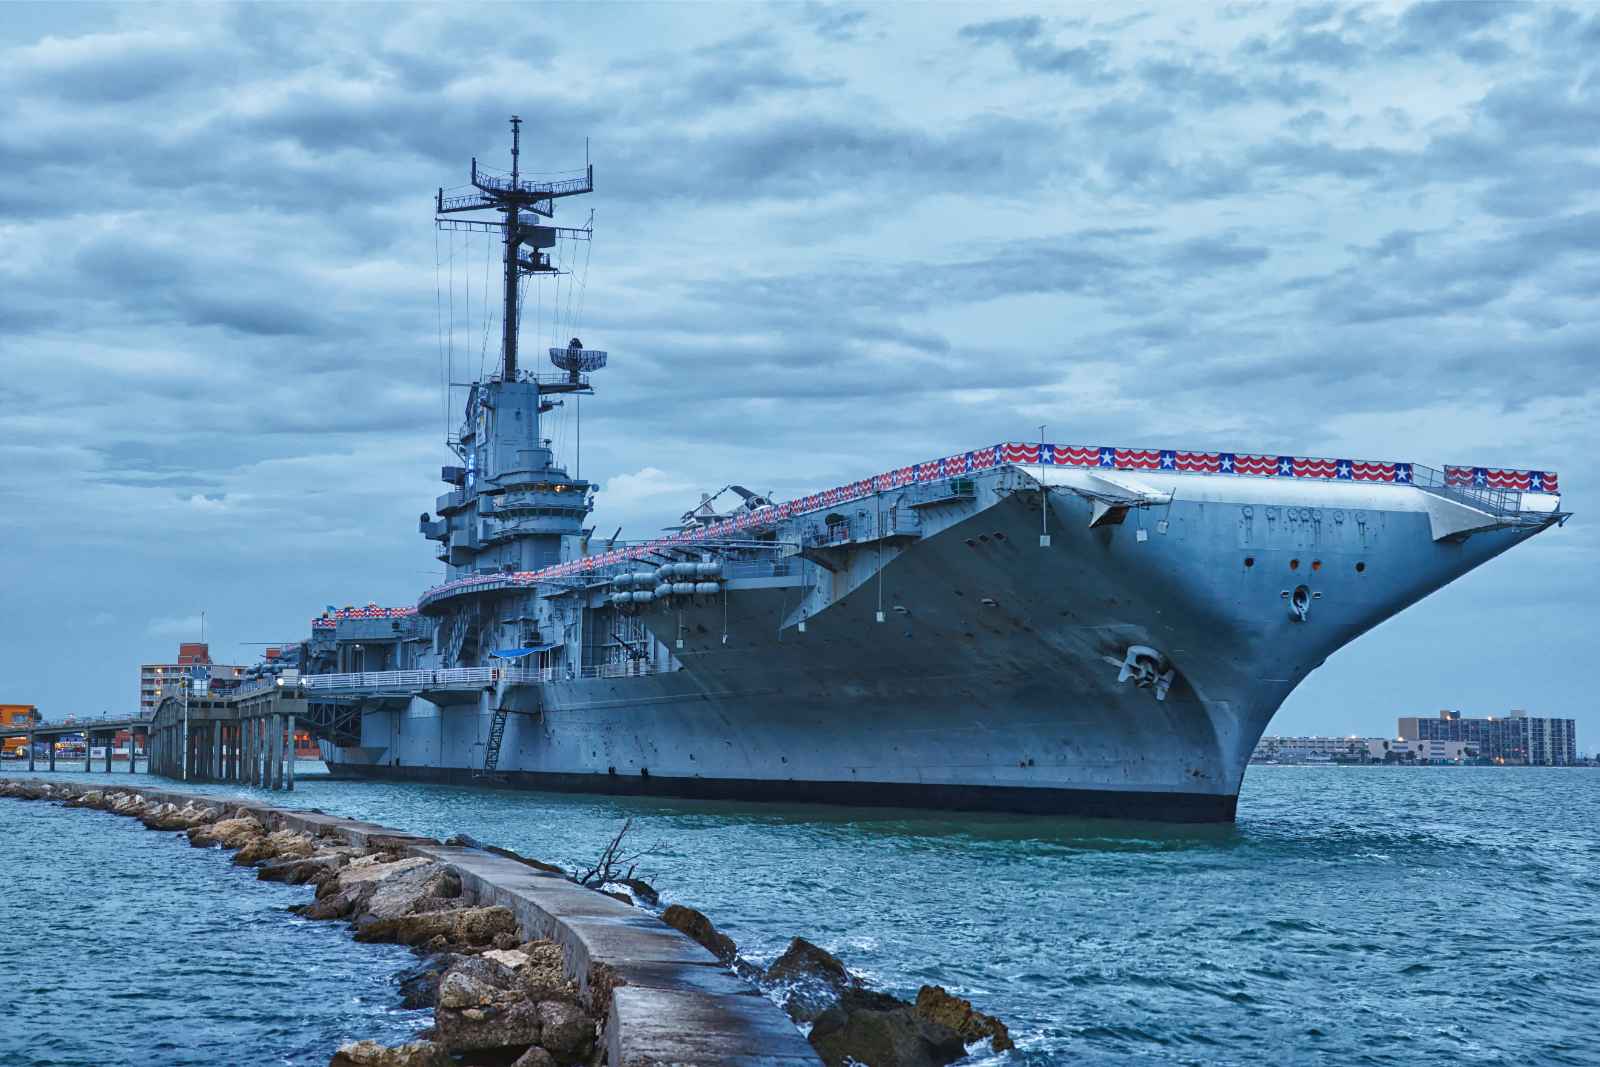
(522, 204)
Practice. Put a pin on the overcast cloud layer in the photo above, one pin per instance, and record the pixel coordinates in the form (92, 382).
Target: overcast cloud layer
(830, 240)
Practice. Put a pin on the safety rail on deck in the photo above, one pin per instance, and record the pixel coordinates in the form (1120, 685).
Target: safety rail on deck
(1503, 503)
(463, 678)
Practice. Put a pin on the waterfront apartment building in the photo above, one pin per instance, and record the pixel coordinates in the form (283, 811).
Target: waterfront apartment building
(1517, 738)
(1315, 749)
(1311, 749)
(155, 677)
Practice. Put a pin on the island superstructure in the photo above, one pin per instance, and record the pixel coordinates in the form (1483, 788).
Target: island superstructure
(1021, 626)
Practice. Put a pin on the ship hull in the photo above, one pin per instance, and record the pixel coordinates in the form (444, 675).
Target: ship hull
(1085, 803)
(973, 668)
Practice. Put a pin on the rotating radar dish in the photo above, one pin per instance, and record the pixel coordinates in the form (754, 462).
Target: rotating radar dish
(576, 359)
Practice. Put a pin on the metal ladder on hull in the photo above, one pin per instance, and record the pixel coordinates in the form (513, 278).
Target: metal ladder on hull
(491, 749)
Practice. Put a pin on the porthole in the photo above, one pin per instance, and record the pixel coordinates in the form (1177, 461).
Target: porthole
(1316, 565)
(1360, 568)
(1249, 561)
(1294, 564)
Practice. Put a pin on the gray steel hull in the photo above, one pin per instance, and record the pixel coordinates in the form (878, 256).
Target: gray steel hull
(992, 684)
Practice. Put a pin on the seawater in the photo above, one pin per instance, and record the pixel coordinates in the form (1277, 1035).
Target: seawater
(1351, 916)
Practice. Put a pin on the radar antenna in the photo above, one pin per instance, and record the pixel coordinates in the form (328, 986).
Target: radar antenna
(522, 203)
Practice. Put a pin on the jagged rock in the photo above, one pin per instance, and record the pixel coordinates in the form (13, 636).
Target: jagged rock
(255, 850)
(506, 957)
(877, 1029)
(229, 833)
(565, 1029)
(504, 1024)
(372, 1054)
(370, 869)
(297, 870)
(537, 1056)
(938, 1006)
(94, 798)
(812, 979)
(459, 926)
(165, 817)
(615, 895)
(641, 889)
(460, 989)
(697, 926)
(419, 986)
(128, 803)
(280, 843)
(505, 941)
(347, 891)
(544, 976)
(409, 890)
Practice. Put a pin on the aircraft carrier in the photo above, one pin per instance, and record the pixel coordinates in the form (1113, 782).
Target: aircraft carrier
(1023, 626)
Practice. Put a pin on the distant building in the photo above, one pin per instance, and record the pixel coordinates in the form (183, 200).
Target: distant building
(1517, 738)
(1352, 749)
(155, 678)
(16, 715)
(1311, 749)
(1430, 751)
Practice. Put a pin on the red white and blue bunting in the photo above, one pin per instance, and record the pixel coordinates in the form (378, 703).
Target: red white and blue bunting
(1102, 457)
(328, 620)
(1498, 478)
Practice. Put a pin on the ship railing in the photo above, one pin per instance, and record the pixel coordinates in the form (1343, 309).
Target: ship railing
(467, 677)
(421, 681)
(622, 670)
(1503, 503)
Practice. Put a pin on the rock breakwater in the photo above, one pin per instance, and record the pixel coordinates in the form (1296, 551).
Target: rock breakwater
(521, 965)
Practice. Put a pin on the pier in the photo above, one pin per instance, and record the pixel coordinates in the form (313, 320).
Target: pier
(244, 737)
(105, 729)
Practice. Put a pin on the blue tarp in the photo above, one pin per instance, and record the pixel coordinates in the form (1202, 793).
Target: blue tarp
(518, 653)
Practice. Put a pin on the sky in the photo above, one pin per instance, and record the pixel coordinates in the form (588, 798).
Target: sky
(829, 240)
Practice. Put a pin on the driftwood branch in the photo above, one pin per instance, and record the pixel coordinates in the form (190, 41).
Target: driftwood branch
(617, 863)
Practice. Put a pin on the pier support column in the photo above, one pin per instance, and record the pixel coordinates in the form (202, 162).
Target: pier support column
(88, 752)
(52, 756)
(216, 751)
(111, 741)
(289, 764)
(277, 752)
(30, 752)
(133, 750)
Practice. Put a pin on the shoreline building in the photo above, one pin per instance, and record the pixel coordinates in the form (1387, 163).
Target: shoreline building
(155, 677)
(16, 715)
(1311, 749)
(1517, 738)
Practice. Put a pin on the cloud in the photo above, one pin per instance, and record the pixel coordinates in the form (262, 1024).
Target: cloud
(829, 240)
(1033, 49)
(186, 627)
